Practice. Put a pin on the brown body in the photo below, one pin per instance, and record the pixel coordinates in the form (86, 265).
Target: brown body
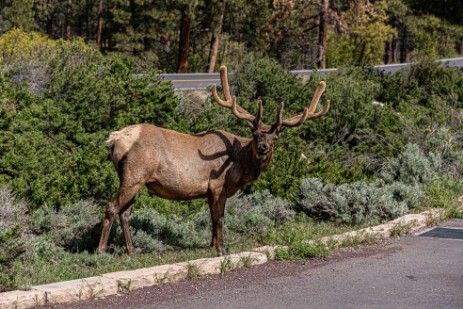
(177, 166)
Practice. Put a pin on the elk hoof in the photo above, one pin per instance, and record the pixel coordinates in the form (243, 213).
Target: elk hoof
(106, 250)
(101, 250)
(130, 250)
(221, 251)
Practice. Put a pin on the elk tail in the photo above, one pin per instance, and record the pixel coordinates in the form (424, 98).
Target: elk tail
(111, 141)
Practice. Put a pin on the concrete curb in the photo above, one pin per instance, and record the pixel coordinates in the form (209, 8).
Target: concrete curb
(123, 281)
(400, 226)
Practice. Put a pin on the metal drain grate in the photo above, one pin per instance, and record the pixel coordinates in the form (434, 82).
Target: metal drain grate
(442, 232)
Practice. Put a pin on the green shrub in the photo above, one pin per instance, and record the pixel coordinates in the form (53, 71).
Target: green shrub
(346, 145)
(443, 192)
(59, 106)
(52, 141)
(60, 100)
(13, 225)
(266, 80)
(445, 142)
(355, 124)
(427, 96)
(282, 177)
(420, 82)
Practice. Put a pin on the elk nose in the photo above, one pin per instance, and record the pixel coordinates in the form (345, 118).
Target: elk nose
(263, 148)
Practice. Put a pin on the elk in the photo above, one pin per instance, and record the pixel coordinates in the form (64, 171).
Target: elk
(213, 164)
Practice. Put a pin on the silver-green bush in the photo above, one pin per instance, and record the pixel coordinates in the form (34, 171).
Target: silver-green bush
(398, 188)
(358, 203)
(254, 213)
(75, 228)
(412, 166)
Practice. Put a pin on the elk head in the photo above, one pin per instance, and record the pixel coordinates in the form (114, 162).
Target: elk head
(264, 136)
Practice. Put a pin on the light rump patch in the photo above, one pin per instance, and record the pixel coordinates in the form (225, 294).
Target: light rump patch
(125, 139)
(127, 135)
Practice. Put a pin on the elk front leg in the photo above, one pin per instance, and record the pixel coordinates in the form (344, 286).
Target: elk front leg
(217, 207)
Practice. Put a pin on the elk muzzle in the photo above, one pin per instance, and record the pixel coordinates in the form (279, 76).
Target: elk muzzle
(262, 149)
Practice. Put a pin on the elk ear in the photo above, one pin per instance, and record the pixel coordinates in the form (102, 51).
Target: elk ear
(277, 126)
(252, 126)
(256, 123)
(277, 129)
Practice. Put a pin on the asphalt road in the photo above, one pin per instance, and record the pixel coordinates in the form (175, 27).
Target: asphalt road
(410, 272)
(204, 80)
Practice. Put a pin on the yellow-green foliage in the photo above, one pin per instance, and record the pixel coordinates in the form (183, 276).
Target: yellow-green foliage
(433, 36)
(34, 58)
(18, 45)
(362, 42)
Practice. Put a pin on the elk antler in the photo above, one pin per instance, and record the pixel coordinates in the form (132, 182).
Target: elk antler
(230, 102)
(308, 112)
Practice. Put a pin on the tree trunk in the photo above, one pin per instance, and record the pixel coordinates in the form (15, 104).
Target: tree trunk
(100, 24)
(321, 55)
(215, 40)
(184, 41)
(68, 20)
(388, 53)
(395, 50)
(50, 25)
(403, 46)
(361, 56)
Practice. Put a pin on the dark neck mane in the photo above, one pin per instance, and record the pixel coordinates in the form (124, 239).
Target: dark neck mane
(252, 167)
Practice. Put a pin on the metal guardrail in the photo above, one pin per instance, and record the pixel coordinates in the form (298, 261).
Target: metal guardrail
(204, 80)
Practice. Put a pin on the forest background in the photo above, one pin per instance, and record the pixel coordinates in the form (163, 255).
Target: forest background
(194, 35)
(70, 75)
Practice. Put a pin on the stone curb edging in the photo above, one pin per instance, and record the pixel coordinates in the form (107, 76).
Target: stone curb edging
(122, 281)
(404, 225)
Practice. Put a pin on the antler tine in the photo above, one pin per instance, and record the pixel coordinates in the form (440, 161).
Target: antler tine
(260, 112)
(309, 112)
(226, 89)
(244, 115)
(230, 102)
(316, 97)
(325, 109)
(278, 122)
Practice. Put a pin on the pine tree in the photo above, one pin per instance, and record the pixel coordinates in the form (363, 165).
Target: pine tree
(216, 31)
(17, 14)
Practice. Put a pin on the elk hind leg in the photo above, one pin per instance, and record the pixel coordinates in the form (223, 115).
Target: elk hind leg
(120, 202)
(124, 218)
